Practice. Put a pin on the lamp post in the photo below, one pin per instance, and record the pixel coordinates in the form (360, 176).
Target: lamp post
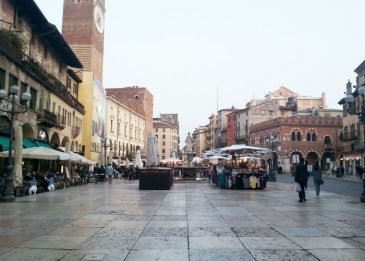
(9, 104)
(349, 99)
(273, 140)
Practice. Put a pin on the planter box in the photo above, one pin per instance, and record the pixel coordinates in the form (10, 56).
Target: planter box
(155, 178)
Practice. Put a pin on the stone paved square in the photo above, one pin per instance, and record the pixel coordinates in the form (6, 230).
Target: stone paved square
(124, 223)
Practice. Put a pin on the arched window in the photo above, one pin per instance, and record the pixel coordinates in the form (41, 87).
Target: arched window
(311, 135)
(295, 135)
(327, 140)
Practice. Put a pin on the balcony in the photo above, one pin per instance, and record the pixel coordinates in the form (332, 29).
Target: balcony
(46, 118)
(61, 121)
(75, 131)
(51, 82)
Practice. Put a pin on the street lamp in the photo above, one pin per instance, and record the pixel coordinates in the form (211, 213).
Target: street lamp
(350, 99)
(9, 105)
(273, 140)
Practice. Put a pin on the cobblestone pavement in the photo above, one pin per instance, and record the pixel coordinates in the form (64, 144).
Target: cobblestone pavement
(192, 221)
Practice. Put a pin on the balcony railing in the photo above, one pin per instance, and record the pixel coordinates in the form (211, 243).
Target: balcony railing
(61, 121)
(51, 82)
(75, 131)
(47, 118)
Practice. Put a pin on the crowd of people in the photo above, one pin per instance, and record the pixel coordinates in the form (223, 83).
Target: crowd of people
(43, 181)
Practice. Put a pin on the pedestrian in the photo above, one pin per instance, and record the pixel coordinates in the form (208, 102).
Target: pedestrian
(109, 172)
(301, 175)
(334, 170)
(317, 178)
(102, 174)
(96, 173)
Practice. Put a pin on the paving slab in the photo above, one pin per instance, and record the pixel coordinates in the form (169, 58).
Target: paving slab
(155, 243)
(26, 254)
(301, 232)
(268, 243)
(161, 255)
(214, 243)
(320, 242)
(220, 254)
(55, 242)
(282, 255)
(339, 254)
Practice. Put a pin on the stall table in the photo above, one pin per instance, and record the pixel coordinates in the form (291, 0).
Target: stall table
(155, 178)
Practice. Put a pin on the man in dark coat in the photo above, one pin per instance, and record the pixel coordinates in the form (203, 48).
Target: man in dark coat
(301, 176)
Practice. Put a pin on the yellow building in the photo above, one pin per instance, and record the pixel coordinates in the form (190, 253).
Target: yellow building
(167, 136)
(125, 131)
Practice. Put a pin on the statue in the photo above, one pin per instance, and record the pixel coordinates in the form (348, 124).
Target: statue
(189, 145)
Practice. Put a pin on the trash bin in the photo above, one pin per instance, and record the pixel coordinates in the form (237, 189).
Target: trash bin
(280, 170)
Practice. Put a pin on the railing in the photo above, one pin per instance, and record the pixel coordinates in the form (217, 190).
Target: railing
(47, 118)
(75, 131)
(61, 121)
(52, 83)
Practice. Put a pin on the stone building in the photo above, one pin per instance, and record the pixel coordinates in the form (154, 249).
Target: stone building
(352, 150)
(199, 140)
(35, 57)
(125, 131)
(316, 139)
(212, 132)
(233, 126)
(138, 99)
(167, 138)
(279, 103)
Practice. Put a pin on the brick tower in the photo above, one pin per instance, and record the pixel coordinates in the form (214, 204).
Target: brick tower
(83, 29)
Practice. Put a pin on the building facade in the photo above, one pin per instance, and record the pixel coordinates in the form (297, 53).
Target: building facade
(212, 132)
(316, 139)
(125, 131)
(352, 149)
(279, 103)
(35, 57)
(138, 99)
(167, 136)
(199, 138)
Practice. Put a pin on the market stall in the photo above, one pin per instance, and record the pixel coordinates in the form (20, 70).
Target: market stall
(246, 169)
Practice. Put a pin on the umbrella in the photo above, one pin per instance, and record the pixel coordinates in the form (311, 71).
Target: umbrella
(197, 160)
(77, 158)
(18, 172)
(138, 160)
(43, 153)
(68, 151)
(242, 147)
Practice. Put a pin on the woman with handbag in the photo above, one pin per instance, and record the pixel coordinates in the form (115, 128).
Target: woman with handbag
(317, 178)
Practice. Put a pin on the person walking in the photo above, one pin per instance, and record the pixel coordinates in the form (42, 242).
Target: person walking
(109, 172)
(102, 174)
(301, 175)
(317, 178)
(96, 173)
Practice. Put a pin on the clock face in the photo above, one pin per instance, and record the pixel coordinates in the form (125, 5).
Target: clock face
(99, 19)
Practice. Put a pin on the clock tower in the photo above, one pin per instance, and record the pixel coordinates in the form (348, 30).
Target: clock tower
(83, 29)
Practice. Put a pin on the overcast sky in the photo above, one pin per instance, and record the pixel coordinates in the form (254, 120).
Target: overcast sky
(183, 51)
